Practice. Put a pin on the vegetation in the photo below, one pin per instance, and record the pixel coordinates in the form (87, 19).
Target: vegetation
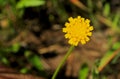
(32, 41)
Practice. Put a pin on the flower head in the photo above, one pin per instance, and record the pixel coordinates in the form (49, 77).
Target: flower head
(78, 30)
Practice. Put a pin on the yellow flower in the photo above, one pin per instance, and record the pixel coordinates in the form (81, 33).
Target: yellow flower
(78, 30)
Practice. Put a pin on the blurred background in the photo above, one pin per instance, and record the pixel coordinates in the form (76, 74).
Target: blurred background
(32, 43)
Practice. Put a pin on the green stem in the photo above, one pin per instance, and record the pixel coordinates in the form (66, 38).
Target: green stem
(62, 62)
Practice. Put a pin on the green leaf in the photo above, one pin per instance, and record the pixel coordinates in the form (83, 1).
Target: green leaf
(106, 10)
(5, 60)
(36, 62)
(15, 47)
(24, 70)
(105, 58)
(116, 46)
(29, 3)
(27, 53)
(83, 72)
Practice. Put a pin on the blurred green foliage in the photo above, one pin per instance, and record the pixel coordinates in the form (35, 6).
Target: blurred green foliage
(83, 72)
(34, 60)
(29, 3)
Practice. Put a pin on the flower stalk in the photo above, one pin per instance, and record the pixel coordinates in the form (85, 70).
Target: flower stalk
(62, 62)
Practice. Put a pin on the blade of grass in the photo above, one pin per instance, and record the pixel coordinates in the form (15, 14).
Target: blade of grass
(107, 22)
(107, 58)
